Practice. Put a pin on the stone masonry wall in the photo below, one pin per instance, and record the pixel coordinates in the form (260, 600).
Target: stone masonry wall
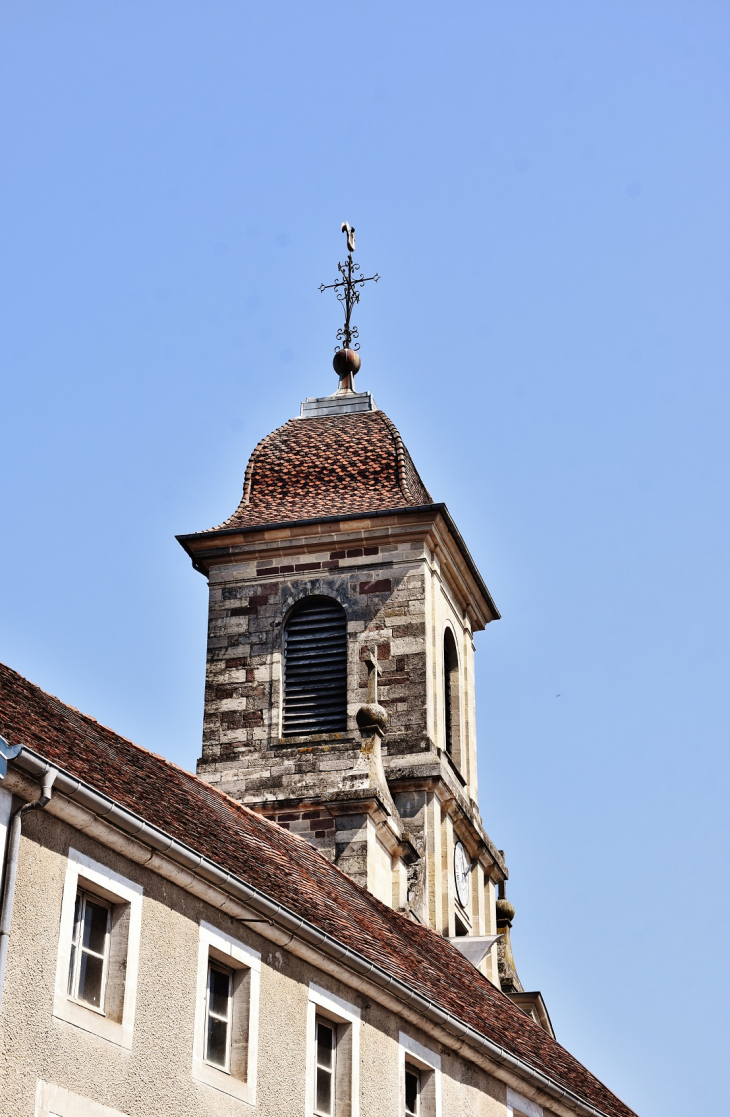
(382, 590)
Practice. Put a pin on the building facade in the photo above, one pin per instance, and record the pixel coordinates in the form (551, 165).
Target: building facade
(316, 924)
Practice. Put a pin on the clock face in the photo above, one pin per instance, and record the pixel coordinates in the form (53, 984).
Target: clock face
(462, 869)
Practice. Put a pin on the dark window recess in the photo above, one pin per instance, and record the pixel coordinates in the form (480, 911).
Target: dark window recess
(452, 718)
(315, 669)
(449, 664)
(325, 1069)
(459, 928)
(218, 1028)
(413, 1091)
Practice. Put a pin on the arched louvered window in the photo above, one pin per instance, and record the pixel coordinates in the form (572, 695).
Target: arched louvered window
(315, 668)
(452, 719)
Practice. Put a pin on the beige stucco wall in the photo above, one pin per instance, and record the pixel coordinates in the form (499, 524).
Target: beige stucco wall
(154, 1079)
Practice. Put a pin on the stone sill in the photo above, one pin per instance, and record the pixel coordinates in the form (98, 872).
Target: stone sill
(344, 738)
(453, 767)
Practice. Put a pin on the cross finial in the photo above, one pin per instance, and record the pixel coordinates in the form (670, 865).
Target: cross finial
(348, 293)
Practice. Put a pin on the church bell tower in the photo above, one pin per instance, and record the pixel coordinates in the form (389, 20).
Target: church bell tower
(340, 670)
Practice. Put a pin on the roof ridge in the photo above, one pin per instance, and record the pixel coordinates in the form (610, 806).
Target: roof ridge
(227, 799)
(400, 455)
(76, 710)
(248, 477)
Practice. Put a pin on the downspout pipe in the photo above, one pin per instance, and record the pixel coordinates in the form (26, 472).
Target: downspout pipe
(11, 866)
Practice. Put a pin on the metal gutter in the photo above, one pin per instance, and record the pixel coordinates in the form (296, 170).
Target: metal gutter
(186, 857)
(216, 533)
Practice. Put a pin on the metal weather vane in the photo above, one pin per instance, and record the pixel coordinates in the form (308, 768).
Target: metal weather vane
(348, 292)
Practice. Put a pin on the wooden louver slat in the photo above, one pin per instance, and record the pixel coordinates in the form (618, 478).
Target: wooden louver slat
(315, 669)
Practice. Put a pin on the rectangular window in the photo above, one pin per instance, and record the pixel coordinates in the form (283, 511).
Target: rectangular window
(98, 950)
(413, 1090)
(326, 1043)
(333, 1064)
(519, 1106)
(56, 1101)
(226, 1015)
(89, 960)
(218, 1017)
(420, 1071)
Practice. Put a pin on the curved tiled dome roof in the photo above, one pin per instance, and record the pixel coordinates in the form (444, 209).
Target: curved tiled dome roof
(333, 465)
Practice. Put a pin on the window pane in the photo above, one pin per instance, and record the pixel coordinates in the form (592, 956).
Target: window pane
(325, 1038)
(219, 986)
(217, 1051)
(412, 1084)
(95, 923)
(324, 1091)
(448, 723)
(90, 979)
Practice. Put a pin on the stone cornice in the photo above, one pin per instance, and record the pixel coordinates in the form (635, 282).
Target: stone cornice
(430, 523)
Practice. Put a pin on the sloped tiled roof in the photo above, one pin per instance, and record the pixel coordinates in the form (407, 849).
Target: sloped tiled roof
(288, 870)
(332, 465)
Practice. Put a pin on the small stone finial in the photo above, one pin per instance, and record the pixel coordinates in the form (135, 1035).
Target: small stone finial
(505, 912)
(372, 717)
(508, 979)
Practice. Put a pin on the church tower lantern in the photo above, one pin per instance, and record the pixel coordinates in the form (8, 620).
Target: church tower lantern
(340, 668)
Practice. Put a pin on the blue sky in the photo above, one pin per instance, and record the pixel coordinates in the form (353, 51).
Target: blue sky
(543, 189)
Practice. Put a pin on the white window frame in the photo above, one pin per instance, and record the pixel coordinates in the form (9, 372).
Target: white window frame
(55, 1101)
(331, 1007)
(90, 876)
(410, 1051)
(519, 1106)
(219, 947)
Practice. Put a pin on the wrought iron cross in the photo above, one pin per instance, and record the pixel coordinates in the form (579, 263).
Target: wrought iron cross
(348, 291)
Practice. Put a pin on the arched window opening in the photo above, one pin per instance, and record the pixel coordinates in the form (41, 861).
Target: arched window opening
(452, 719)
(315, 668)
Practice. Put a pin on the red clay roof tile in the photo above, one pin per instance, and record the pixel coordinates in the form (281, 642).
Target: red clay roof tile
(328, 466)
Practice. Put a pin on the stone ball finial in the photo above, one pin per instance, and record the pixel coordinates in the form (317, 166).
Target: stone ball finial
(372, 716)
(346, 362)
(505, 911)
